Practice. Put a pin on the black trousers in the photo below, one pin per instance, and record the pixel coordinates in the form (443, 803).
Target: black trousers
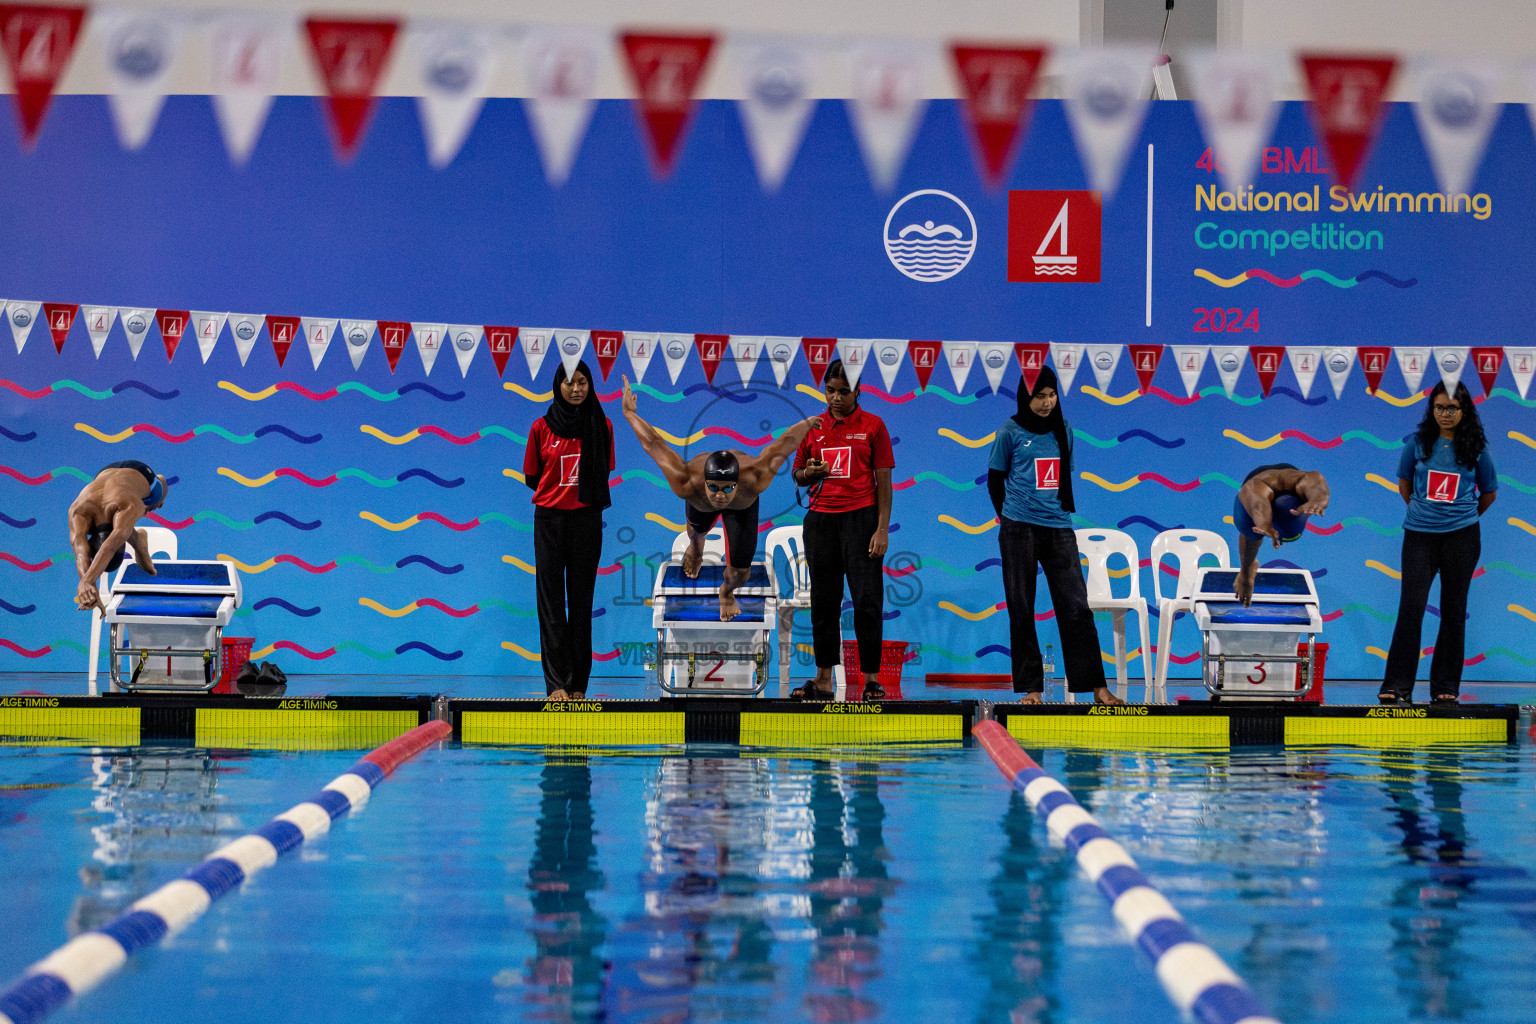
(1454, 556)
(1054, 550)
(837, 549)
(567, 546)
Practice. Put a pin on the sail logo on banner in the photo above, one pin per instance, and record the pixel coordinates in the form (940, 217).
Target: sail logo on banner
(1054, 236)
(930, 235)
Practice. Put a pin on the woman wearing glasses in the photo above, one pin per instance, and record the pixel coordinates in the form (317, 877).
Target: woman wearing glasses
(1447, 480)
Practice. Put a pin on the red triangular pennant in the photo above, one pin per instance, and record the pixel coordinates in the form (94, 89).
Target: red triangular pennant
(995, 84)
(1347, 94)
(666, 71)
(38, 42)
(1031, 359)
(173, 324)
(925, 355)
(1373, 363)
(60, 317)
(500, 341)
(351, 56)
(1488, 362)
(281, 329)
(1266, 363)
(394, 334)
(607, 345)
(819, 353)
(711, 350)
(1144, 360)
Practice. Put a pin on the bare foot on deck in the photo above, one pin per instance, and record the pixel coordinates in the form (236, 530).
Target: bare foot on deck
(1104, 695)
(692, 559)
(1031, 698)
(729, 609)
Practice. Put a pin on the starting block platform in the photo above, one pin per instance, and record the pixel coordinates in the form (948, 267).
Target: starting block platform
(699, 654)
(178, 615)
(363, 722)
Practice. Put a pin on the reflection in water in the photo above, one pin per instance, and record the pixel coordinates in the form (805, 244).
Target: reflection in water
(162, 813)
(565, 976)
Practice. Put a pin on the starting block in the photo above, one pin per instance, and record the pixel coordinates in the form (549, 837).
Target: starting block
(179, 615)
(696, 653)
(1251, 653)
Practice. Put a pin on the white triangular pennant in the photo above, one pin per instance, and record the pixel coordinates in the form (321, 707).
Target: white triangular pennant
(746, 349)
(429, 342)
(1412, 361)
(1235, 99)
(244, 327)
(1230, 360)
(1068, 359)
(959, 355)
(781, 356)
(641, 347)
(98, 324)
(1305, 360)
(22, 315)
(1522, 365)
(140, 50)
(675, 349)
(466, 342)
(1339, 360)
(886, 102)
(561, 65)
(136, 326)
(359, 335)
(208, 327)
(993, 357)
(248, 51)
(1451, 360)
(854, 352)
(1106, 94)
(536, 343)
(887, 354)
(1190, 359)
(318, 333)
(571, 346)
(456, 63)
(1104, 359)
(1456, 111)
(776, 104)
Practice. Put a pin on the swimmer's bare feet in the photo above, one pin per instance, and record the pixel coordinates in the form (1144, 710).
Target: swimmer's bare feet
(692, 559)
(1031, 698)
(729, 609)
(1243, 588)
(559, 695)
(141, 552)
(1104, 695)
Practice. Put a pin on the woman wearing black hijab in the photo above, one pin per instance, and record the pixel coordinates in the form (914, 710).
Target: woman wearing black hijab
(1029, 476)
(567, 462)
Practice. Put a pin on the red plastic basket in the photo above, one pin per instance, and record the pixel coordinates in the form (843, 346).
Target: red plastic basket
(237, 651)
(893, 655)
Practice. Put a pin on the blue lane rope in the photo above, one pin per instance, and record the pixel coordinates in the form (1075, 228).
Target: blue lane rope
(1195, 978)
(87, 959)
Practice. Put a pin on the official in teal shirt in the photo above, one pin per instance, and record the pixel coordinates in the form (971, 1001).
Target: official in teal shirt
(1447, 479)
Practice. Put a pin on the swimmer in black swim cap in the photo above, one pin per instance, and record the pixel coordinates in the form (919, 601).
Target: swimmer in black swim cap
(1275, 502)
(722, 485)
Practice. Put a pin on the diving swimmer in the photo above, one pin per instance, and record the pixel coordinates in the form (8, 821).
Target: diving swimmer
(104, 517)
(1275, 502)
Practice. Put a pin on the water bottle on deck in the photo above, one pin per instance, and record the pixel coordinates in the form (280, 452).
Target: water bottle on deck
(1048, 669)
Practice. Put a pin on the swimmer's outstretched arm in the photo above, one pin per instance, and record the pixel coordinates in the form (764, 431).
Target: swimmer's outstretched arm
(86, 595)
(1312, 488)
(672, 465)
(773, 456)
(1258, 498)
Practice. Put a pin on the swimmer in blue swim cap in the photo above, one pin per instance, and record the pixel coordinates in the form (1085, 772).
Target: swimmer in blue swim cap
(104, 517)
(1275, 502)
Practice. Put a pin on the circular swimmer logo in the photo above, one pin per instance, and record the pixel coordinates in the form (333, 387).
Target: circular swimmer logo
(464, 340)
(20, 317)
(357, 337)
(1338, 362)
(1103, 360)
(930, 235)
(245, 330)
(1229, 361)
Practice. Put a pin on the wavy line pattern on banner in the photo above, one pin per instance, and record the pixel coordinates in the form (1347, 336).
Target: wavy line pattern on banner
(457, 613)
(11, 435)
(51, 475)
(1305, 275)
(277, 602)
(336, 477)
(939, 478)
(1080, 435)
(352, 645)
(206, 428)
(1297, 435)
(980, 528)
(1523, 488)
(1476, 659)
(428, 430)
(20, 524)
(341, 560)
(1515, 435)
(1158, 478)
(74, 385)
(209, 515)
(1521, 524)
(17, 609)
(442, 520)
(340, 389)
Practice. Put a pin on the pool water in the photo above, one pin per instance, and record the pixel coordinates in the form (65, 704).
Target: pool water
(717, 884)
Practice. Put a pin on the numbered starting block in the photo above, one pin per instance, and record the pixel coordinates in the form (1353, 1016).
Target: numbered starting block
(1251, 653)
(167, 629)
(696, 653)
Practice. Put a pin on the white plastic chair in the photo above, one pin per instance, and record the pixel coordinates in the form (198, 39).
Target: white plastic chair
(1097, 546)
(161, 542)
(1186, 547)
(791, 542)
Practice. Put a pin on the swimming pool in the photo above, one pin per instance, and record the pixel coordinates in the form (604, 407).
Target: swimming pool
(725, 884)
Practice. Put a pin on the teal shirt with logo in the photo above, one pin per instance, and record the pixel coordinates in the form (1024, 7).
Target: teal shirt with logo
(1444, 491)
(1033, 464)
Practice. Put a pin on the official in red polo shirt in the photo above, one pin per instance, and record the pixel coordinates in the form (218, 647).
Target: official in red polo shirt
(846, 462)
(567, 462)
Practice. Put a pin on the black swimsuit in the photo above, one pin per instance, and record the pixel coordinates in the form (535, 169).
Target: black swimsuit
(98, 534)
(740, 526)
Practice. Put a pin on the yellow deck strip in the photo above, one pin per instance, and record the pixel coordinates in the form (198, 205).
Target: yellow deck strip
(299, 729)
(1407, 730)
(1127, 732)
(584, 728)
(789, 729)
(44, 724)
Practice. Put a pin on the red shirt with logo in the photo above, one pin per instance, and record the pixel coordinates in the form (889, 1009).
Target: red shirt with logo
(556, 462)
(853, 448)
